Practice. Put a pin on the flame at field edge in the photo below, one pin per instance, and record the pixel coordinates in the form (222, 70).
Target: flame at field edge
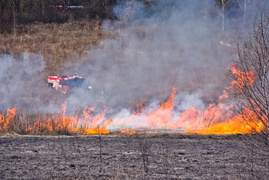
(215, 119)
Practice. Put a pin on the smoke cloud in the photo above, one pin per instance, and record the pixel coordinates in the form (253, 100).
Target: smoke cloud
(171, 44)
(165, 45)
(21, 81)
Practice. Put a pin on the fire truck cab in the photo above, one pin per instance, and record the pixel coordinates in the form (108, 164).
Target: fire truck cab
(64, 83)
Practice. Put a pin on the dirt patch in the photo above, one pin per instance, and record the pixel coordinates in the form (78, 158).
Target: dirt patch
(164, 156)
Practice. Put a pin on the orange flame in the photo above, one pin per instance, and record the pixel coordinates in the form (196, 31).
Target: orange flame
(242, 80)
(6, 120)
(215, 119)
(128, 131)
(65, 124)
(234, 125)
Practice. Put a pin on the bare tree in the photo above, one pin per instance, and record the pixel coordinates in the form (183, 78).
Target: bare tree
(226, 7)
(14, 18)
(243, 5)
(252, 88)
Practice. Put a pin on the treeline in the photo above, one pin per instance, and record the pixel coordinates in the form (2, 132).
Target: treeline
(14, 13)
(20, 12)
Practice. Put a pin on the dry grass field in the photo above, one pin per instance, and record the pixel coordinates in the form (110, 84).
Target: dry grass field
(50, 144)
(159, 156)
(58, 43)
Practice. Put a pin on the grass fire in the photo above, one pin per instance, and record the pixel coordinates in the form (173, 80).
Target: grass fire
(134, 89)
(214, 119)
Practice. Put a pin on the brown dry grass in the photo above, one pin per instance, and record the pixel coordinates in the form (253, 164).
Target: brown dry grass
(20, 122)
(58, 43)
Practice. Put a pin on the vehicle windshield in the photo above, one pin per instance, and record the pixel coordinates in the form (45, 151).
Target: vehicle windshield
(74, 82)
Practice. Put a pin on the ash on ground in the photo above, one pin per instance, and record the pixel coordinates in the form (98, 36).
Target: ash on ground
(139, 156)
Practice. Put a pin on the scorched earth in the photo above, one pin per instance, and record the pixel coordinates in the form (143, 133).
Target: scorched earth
(140, 156)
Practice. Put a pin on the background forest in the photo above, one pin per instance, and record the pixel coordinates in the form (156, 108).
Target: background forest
(21, 12)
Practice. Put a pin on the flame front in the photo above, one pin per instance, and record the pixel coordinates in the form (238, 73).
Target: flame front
(6, 120)
(215, 119)
(64, 124)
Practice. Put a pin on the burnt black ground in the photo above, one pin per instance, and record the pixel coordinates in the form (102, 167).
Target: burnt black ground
(163, 156)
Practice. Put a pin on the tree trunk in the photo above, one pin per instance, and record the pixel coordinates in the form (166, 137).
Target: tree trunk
(14, 19)
(223, 16)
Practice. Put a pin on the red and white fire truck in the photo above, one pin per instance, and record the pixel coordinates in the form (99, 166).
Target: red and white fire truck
(64, 83)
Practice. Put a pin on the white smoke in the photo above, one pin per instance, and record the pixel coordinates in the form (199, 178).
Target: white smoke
(156, 48)
(21, 81)
(171, 44)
